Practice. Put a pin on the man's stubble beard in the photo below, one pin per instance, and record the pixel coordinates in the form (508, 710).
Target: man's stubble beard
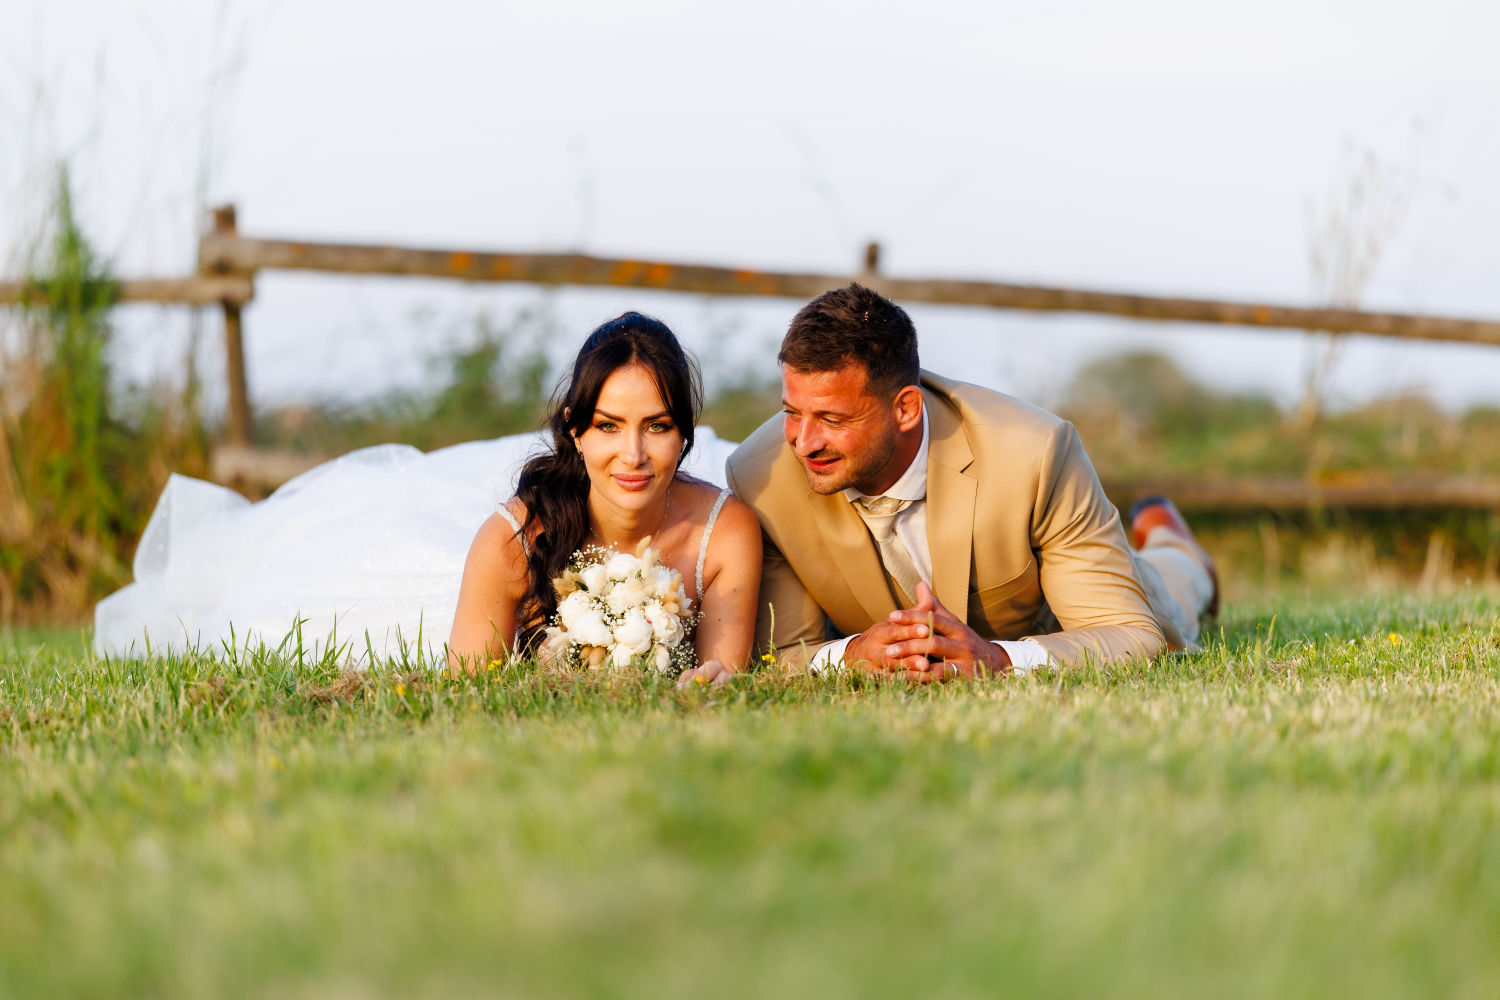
(873, 460)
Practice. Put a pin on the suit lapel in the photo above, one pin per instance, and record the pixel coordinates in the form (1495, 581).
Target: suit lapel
(951, 498)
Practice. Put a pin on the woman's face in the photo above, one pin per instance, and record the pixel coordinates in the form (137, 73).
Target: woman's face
(631, 447)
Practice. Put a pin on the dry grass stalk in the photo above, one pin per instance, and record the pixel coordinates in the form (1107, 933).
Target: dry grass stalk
(348, 685)
(212, 692)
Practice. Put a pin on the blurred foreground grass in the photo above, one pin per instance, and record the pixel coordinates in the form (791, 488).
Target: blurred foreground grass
(1309, 806)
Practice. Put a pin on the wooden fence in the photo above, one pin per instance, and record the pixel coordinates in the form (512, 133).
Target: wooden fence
(1345, 491)
(229, 262)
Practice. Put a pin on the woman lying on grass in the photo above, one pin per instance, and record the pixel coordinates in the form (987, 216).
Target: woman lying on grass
(551, 573)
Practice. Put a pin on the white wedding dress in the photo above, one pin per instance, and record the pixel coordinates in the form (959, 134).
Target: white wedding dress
(362, 555)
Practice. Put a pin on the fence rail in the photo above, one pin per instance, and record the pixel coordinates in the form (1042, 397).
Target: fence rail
(1355, 493)
(199, 290)
(223, 251)
(228, 264)
(227, 253)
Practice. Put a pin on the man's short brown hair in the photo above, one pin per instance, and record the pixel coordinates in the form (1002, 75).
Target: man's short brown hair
(854, 324)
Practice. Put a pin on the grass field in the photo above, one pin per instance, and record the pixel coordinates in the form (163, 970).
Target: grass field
(1310, 807)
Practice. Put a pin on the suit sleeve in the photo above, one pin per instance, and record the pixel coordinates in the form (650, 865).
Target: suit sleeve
(1085, 564)
(787, 619)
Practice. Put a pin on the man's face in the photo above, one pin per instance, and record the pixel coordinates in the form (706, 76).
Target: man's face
(843, 434)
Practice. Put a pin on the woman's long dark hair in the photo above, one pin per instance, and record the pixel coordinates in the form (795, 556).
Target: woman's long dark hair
(555, 486)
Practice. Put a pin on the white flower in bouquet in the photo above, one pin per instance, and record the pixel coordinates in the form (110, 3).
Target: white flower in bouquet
(665, 626)
(661, 659)
(570, 607)
(620, 610)
(626, 594)
(594, 578)
(622, 566)
(658, 580)
(590, 629)
(634, 634)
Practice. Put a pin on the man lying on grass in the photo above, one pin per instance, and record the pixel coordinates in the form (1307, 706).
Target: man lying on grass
(922, 526)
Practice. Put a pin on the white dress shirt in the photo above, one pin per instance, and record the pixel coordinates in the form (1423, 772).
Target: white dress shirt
(911, 529)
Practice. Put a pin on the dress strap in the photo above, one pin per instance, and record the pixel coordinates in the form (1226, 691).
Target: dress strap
(521, 535)
(708, 529)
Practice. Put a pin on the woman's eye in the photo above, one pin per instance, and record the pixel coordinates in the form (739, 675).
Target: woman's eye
(605, 425)
(661, 427)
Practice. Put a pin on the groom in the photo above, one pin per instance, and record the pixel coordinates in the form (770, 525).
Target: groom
(923, 526)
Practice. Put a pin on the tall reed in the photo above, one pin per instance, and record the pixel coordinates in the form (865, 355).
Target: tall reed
(80, 464)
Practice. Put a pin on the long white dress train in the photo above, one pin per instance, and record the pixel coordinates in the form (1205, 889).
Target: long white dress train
(364, 553)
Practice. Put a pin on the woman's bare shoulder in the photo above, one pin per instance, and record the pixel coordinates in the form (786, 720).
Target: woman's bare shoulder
(701, 497)
(517, 510)
(736, 518)
(497, 540)
(698, 494)
(740, 507)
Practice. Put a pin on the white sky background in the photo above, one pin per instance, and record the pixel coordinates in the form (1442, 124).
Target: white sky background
(1172, 147)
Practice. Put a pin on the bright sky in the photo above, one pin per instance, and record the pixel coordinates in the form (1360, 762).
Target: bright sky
(1172, 147)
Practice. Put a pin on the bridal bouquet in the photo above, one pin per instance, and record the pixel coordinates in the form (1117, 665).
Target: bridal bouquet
(620, 610)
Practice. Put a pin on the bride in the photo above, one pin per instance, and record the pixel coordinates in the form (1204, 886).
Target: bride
(612, 479)
(361, 558)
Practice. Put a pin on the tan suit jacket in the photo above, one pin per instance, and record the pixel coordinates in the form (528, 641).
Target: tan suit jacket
(1016, 522)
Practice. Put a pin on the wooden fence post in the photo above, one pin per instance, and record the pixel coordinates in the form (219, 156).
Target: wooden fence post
(241, 425)
(234, 366)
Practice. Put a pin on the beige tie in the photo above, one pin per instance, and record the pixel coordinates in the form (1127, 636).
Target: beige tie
(879, 514)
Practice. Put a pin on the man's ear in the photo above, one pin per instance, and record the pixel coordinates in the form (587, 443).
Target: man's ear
(908, 408)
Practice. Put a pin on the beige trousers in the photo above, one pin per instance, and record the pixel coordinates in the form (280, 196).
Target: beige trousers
(1177, 586)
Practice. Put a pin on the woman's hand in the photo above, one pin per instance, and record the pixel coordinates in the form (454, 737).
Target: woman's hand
(711, 674)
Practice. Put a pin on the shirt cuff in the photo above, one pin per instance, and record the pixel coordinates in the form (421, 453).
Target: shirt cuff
(1025, 654)
(830, 656)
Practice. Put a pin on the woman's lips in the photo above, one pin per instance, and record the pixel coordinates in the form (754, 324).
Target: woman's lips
(633, 483)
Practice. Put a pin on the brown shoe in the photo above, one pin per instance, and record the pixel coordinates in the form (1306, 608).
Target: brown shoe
(1151, 513)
